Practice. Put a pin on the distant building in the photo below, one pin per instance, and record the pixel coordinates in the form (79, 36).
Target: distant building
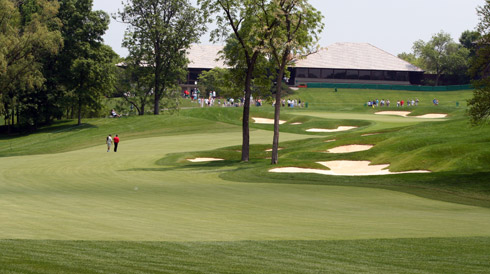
(360, 63)
(201, 58)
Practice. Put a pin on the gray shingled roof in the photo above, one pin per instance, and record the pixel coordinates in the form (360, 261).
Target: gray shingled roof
(204, 56)
(337, 56)
(355, 56)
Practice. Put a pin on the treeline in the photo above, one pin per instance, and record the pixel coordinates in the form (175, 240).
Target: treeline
(53, 64)
(445, 61)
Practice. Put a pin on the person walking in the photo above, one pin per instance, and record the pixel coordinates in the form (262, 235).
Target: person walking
(116, 142)
(109, 142)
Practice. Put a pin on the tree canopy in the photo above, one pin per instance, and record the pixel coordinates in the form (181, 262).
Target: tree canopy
(480, 69)
(158, 35)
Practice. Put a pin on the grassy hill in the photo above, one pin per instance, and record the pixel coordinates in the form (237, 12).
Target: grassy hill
(67, 205)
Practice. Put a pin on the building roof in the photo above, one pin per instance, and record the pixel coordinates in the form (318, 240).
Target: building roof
(363, 56)
(205, 56)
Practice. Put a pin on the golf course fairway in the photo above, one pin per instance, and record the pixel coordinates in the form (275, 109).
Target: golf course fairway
(91, 194)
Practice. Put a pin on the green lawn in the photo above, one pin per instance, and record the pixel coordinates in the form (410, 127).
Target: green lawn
(67, 205)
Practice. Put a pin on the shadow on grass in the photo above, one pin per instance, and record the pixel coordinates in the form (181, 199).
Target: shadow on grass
(56, 128)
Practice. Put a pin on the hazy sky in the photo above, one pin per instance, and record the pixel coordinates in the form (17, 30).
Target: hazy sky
(391, 25)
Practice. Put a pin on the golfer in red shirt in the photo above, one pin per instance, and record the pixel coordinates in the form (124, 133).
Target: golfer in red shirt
(116, 142)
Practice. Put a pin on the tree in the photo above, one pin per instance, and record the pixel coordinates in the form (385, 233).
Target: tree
(158, 35)
(442, 55)
(134, 84)
(469, 40)
(412, 59)
(85, 66)
(250, 35)
(28, 31)
(300, 23)
(480, 69)
(220, 80)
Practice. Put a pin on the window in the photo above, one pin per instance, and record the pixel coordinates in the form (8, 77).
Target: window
(390, 75)
(314, 73)
(339, 74)
(327, 73)
(402, 76)
(301, 73)
(365, 75)
(377, 75)
(352, 74)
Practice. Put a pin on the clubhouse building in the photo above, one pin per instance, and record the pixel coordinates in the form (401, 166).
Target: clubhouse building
(342, 63)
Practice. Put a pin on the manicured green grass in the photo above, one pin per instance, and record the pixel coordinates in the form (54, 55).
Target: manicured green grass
(431, 255)
(67, 205)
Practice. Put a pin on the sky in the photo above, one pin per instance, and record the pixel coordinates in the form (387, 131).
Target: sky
(391, 25)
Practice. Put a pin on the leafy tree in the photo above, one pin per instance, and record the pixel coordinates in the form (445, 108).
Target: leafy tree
(297, 34)
(249, 34)
(442, 55)
(27, 33)
(480, 69)
(220, 80)
(85, 67)
(158, 35)
(412, 59)
(134, 84)
(469, 40)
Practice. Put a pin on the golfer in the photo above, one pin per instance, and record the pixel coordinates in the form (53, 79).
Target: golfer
(116, 142)
(109, 142)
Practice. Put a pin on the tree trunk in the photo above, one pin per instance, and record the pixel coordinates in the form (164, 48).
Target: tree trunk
(79, 111)
(437, 79)
(246, 117)
(277, 108)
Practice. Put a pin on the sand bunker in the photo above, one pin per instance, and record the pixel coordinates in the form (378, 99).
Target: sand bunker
(197, 160)
(399, 113)
(346, 168)
(350, 148)
(266, 121)
(270, 149)
(297, 123)
(341, 128)
(432, 116)
(406, 113)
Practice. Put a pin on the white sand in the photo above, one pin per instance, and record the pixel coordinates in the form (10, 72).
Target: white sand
(266, 121)
(399, 113)
(297, 123)
(350, 148)
(341, 128)
(406, 113)
(270, 149)
(197, 160)
(432, 116)
(346, 168)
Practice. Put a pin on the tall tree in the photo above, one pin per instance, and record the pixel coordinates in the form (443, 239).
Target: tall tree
(159, 34)
(442, 55)
(251, 34)
(297, 34)
(135, 84)
(85, 66)
(480, 69)
(27, 33)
